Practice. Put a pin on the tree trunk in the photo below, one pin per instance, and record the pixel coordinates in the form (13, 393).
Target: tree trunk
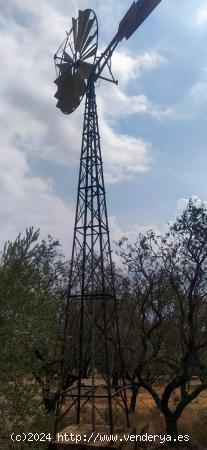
(115, 380)
(135, 391)
(171, 427)
(50, 404)
(48, 399)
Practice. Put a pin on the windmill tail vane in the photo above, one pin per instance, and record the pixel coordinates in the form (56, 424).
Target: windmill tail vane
(135, 16)
(91, 318)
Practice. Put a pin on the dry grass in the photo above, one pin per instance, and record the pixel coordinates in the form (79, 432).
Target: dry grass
(147, 415)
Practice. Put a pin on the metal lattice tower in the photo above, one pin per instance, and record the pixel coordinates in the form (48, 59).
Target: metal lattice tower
(91, 313)
(91, 283)
(91, 268)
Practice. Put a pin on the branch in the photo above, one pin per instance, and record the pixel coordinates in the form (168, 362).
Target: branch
(189, 398)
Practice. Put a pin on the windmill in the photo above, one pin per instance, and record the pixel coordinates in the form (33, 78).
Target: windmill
(91, 291)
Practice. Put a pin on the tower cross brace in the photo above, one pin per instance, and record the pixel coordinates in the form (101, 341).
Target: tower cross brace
(91, 290)
(91, 299)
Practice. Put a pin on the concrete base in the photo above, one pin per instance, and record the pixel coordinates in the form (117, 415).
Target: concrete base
(80, 437)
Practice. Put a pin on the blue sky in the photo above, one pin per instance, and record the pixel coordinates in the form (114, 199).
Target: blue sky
(153, 125)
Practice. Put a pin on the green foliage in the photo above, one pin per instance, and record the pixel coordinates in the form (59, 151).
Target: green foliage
(27, 414)
(165, 319)
(162, 312)
(31, 283)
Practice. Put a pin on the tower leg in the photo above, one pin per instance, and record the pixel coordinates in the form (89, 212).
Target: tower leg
(91, 291)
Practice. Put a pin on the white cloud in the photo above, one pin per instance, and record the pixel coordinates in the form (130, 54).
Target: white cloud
(117, 232)
(115, 102)
(30, 201)
(189, 15)
(127, 66)
(202, 15)
(31, 126)
(198, 95)
(192, 105)
(126, 156)
(28, 111)
(123, 104)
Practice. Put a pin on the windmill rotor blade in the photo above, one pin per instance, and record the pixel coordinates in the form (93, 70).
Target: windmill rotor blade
(79, 86)
(87, 31)
(135, 16)
(87, 43)
(85, 70)
(83, 18)
(75, 27)
(73, 72)
(58, 81)
(67, 105)
(67, 57)
(64, 67)
(70, 92)
(62, 83)
(90, 54)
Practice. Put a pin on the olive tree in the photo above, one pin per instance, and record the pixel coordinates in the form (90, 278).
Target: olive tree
(32, 286)
(172, 335)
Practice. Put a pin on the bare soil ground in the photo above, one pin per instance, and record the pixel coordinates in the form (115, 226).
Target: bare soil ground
(147, 418)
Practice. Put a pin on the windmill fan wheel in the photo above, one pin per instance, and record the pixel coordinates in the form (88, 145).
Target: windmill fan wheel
(74, 61)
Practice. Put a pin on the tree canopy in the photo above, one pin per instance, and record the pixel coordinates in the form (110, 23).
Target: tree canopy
(162, 309)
